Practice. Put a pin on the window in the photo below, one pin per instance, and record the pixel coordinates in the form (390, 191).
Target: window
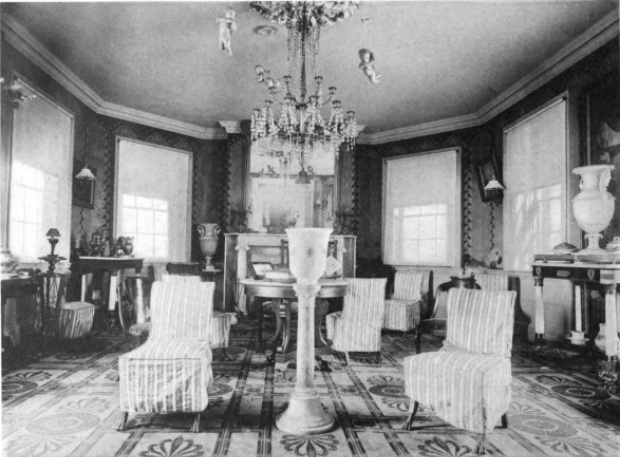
(153, 198)
(535, 170)
(422, 209)
(146, 220)
(40, 188)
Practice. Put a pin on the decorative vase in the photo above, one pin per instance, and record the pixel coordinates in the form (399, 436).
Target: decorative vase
(601, 339)
(593, 206)
(208, 242)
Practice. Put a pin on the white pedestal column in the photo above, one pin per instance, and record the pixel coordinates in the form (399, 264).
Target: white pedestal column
(304, 414)
(308, 256)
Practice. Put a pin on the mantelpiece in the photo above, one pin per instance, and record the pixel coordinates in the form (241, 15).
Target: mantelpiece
(241, 248)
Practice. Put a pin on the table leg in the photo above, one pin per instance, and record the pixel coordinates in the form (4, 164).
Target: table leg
(608, 371)
(539, 313)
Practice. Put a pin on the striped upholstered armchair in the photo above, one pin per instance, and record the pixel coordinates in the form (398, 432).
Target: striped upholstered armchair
(357, 328)
(467, 382)
(403, 311)
(172, 370)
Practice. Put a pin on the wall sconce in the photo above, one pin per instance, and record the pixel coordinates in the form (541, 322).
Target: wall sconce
(17, 92)
(85, 173)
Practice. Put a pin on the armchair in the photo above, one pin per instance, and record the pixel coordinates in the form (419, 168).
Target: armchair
(172, 370)
(467, 382)
(403, 311)
(357, 328)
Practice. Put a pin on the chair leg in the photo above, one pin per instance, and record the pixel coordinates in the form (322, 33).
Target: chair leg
(123, 426)
(196, 424)
(418, 340)
(347, 358)
(481, 447)
(505, 420)
(409, 422)
(378, 358)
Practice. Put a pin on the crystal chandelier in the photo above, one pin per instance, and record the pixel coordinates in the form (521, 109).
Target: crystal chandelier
(300, 129)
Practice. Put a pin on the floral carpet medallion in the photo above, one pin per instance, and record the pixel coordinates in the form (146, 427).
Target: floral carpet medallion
(67, 405)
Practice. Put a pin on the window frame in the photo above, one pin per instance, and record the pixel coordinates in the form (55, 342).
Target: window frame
(118, 205)
(569, 187)
(455, 260)
(64, 246)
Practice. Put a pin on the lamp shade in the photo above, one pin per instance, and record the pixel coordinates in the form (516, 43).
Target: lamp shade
(85, 174)
(53, 234)
(493, 184)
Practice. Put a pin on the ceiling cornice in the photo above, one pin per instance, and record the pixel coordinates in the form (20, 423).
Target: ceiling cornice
(16, 35)
(595, 37)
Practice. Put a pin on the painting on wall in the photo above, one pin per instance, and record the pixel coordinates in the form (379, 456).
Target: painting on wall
(602, 138)
(83, 190)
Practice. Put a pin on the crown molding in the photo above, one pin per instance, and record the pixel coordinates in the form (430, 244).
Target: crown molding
(16, 35)
(592, 39)
(595, 37)
(231, 126)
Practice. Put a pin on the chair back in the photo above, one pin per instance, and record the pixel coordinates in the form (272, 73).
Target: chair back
(492, 281)
(481, 320)
(184, 268)
(411, 284)
(181, 310)
(181, 278)
(364, 304)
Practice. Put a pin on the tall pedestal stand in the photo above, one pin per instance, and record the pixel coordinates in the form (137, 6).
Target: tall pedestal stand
(308, 256)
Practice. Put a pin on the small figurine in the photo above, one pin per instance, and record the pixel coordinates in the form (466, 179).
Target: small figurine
(367, 65)
(227, 27)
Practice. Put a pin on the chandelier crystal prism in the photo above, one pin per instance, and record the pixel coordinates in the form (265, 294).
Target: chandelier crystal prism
(300, 128)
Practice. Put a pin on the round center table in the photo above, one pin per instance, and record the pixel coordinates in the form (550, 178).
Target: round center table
(282, 295)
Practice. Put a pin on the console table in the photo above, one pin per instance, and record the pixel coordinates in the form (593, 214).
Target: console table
(579, 272)
(113, 265)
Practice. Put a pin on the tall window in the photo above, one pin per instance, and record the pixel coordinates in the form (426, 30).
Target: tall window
(535, 173)
(154, 200)
(422, 209)
(40, 189)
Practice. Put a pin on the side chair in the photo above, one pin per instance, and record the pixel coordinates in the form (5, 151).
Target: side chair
(467, 382)
(357, 328)
(171, 371)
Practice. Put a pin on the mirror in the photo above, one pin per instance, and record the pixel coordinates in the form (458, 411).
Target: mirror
(284, 193)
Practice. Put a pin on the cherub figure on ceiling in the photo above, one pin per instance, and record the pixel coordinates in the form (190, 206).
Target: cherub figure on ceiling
(227, 27)
(367, 65)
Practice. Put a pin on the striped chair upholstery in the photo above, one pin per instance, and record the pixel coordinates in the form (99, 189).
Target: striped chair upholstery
(497, 281)
(357, 328)
(172, 370)
(220, 323)
(74, 319)
(403, 311)
(467, 382)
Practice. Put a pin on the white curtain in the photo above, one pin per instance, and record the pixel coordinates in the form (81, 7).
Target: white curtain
(41, 167)
(153, 184)
(535, 177)
(421, 223)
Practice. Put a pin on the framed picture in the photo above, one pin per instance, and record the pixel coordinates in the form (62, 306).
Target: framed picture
(258, 269)
(487, 171)
(83, 190)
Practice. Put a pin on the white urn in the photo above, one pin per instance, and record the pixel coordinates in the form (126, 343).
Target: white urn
(209, 236)
(308, 253)
(593, 207)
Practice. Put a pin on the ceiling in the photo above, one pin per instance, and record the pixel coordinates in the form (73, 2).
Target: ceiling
(441, 63)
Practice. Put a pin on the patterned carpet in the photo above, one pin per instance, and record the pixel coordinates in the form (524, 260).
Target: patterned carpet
(66, 404)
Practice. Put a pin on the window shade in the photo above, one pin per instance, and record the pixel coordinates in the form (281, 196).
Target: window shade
(422, 209)
(535, 177)
(153, 200)
(41, 167)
